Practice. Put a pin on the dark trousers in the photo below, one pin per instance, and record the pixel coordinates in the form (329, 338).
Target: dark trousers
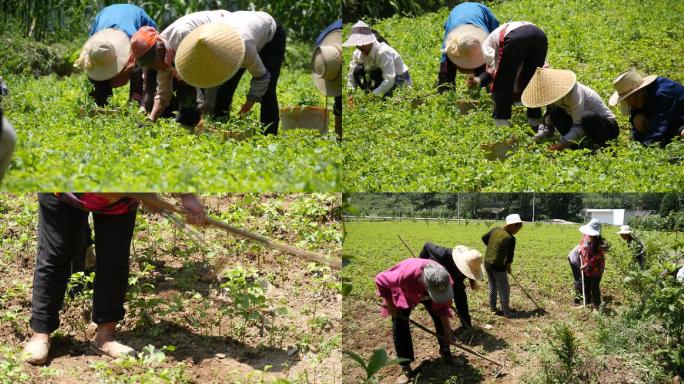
(272, 55)
(577, 277)
(188, 114)
(598, 129)
(526, 45)
(60, 237)
(337, 106)
(401, 334)
(367, 80)
(593, 290)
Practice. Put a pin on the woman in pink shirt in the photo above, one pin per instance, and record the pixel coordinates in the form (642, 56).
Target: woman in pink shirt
(402, 288)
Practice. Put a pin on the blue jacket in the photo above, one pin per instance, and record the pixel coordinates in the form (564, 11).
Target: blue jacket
(124, 17)
(337, 24)
(469, 13)
(665, 112)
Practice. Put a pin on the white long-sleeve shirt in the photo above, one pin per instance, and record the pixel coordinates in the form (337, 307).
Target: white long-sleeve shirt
(380, 56)
(580, 101)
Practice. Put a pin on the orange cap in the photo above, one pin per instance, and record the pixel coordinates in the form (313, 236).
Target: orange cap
(143, 40)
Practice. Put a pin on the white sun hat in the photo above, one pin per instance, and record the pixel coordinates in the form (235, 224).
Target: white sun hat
(627, 83)
(210, 55)
(592, 228)
(361, 34)
(326, 65)
(625, 230)
(104, 54)
(464, 46)
(513, 218)
(437, 282)
(547, 86)
(468, 261)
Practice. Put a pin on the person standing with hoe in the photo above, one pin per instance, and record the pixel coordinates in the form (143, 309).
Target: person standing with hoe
(498, 259)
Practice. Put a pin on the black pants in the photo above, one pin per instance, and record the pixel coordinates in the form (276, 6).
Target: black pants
(526, 45)
(599, 129)
(401, 334)
(272, 55)
(367, 80)
(188, 114)
(337, 107)
(593, 290)
(577, 277)
(60, 236)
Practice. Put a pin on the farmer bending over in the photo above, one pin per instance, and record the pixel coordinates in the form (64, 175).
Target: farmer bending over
(402, 288)
(60, 223)
(635, 244)
(655, 104)
(157, 51)
(464, 31)
(498, 259)
(574, 109)
(463, 264)
(106, 56)
(326, 64)
(513, 51)
(217, 54)
(374, 66)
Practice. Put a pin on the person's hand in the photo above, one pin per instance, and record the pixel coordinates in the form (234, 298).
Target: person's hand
(681, 133)
(556, 147)
(151, 201)
(509, 269)
(194, 211)
(391, 308)
(473, 82)
(350, 102)
(246, 108)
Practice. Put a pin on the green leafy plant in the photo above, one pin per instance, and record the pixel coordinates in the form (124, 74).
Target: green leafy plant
(377, 361)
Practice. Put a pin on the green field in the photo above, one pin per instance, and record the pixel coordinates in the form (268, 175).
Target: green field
(396, 145)
(541, 266)
(62, 147)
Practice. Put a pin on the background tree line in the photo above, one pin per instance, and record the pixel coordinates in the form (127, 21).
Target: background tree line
(565, 206)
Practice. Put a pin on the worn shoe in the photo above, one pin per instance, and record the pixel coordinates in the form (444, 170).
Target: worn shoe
(404, 378)
(114, 349)
(36, 352)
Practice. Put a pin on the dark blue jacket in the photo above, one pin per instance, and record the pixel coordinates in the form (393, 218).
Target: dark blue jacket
(665, 112)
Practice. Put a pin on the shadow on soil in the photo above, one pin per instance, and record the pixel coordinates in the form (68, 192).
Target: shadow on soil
(438, 371)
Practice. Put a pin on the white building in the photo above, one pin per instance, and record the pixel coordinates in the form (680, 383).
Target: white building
(613, 216)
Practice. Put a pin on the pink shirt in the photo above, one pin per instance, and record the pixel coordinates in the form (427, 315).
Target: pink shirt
(402, 284)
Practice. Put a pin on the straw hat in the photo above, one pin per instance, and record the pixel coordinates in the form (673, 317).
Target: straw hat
(547, 86)
(513, 218)
(464, 46)
(437, 282)
(592, 228)
(468, 261)
(625, 230)
(361, 34)
(210, 55)
(627, 83)
(326, 65)
(105, 54)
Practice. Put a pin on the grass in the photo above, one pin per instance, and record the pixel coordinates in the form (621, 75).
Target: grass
(62, 148)
(541, 266)
(395, 146)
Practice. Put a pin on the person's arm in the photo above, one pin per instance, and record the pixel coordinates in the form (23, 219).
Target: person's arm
(511, 250)
(576, 132)
(659, 129)
(446, 326)
(164, 93)
(486, 236)
(351, 82)
(149, 88)
(490, 46)
(384, 282)
(446, 78)
(261, 77)
(386, 64)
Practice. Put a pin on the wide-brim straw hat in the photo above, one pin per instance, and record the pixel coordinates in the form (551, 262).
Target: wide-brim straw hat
(105, 54)
(592, 228)
(547, 86)
(361, 34)
(468, 261)
(210, 55)
(625, 230)
(326, 65)
(627, 83)
(464, 46)
(513, 218)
